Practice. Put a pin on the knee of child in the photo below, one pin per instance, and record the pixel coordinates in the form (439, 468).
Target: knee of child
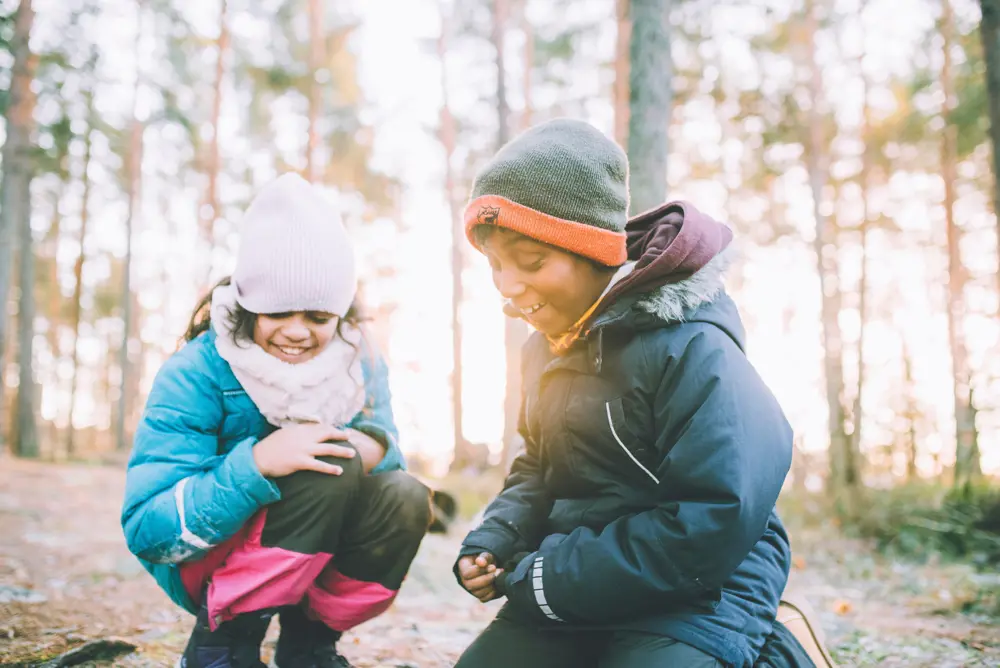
(412, 500)
(352, 471)
(331, 488)
(353, 467)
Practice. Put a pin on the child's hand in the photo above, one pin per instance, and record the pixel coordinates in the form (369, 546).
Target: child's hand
(478, 576)
(370, 450)
(296, 448)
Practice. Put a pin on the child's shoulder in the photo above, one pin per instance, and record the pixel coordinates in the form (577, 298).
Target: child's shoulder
(197, 357)
(362, 338)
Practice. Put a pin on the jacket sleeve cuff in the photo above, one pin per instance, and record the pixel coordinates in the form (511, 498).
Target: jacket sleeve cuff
(242, 466)
(525, 590)
(393, 458)
(249, 492)
(496, 539)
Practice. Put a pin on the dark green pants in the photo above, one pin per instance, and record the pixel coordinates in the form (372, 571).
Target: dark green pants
(505, 644)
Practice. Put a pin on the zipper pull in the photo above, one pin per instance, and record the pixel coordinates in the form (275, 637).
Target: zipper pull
(596, 350)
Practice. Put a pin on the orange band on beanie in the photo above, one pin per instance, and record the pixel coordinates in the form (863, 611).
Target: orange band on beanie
(598, 244)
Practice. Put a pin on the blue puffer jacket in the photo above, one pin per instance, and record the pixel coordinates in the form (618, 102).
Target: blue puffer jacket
(192, 481)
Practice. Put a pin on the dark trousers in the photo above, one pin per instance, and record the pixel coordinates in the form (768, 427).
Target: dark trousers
(338, 545)
(371, 524)
(506, 644)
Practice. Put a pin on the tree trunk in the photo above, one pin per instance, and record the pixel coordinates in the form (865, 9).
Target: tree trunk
(78, 275)
(317, 17)
(26, 416)
(621, 87)
(857, 415)
(15, 187)
(133, 174)
(108, 379)
(515, 331)
(842, 464)
(529, 67)
(967, 466)
(990, 33)
(447, 136)
(498, 35)
(911, 414)
(649, 101)
(209, 212)
(47, 249)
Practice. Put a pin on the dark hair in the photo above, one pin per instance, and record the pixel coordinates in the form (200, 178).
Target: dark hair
(481, 233)
(242, 321)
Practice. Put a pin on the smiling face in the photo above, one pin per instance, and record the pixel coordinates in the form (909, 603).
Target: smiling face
(551, 288)
(295, 337)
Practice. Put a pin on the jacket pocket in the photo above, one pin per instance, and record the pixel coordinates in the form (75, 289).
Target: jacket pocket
(614, 412)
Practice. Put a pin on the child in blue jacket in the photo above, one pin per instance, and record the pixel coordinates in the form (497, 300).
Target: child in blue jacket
(265, 476)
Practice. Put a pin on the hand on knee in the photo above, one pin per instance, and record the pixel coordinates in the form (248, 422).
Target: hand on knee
(323, 487)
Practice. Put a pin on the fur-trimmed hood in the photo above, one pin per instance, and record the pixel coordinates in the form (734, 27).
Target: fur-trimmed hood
(671, 301)
(678, 258)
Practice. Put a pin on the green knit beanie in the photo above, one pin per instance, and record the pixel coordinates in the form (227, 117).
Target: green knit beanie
(561, 182)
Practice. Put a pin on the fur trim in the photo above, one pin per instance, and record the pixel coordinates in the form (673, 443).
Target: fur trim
(671, 301)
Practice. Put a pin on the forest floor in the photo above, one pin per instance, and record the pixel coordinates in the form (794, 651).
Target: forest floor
(66, 578)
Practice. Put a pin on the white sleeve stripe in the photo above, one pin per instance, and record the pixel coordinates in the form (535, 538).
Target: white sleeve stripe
(536, 581)
(186, 534)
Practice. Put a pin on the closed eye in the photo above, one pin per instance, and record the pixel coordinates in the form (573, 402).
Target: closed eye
(532, 263)
(319, 317)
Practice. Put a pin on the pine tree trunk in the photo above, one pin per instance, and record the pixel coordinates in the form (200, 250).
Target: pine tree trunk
(857, 415)
(498, 35)
(316, 60)
(48, 375)
(134, 172)
(967, 467)
(515, 331)
(911, 414)
(25, 413)
(621, 88)
(77, 308)
(108, 379)
(529, 67)
(26, 417)
(990, 34)
(209, 212)
(15, 187)
(447, 136)
(650, 98)
(842, 463)
(133, 175)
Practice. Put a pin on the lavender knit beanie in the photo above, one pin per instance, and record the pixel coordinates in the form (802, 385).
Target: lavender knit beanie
(294, 252)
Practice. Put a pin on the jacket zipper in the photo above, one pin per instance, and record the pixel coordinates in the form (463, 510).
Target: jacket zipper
(607, 408)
